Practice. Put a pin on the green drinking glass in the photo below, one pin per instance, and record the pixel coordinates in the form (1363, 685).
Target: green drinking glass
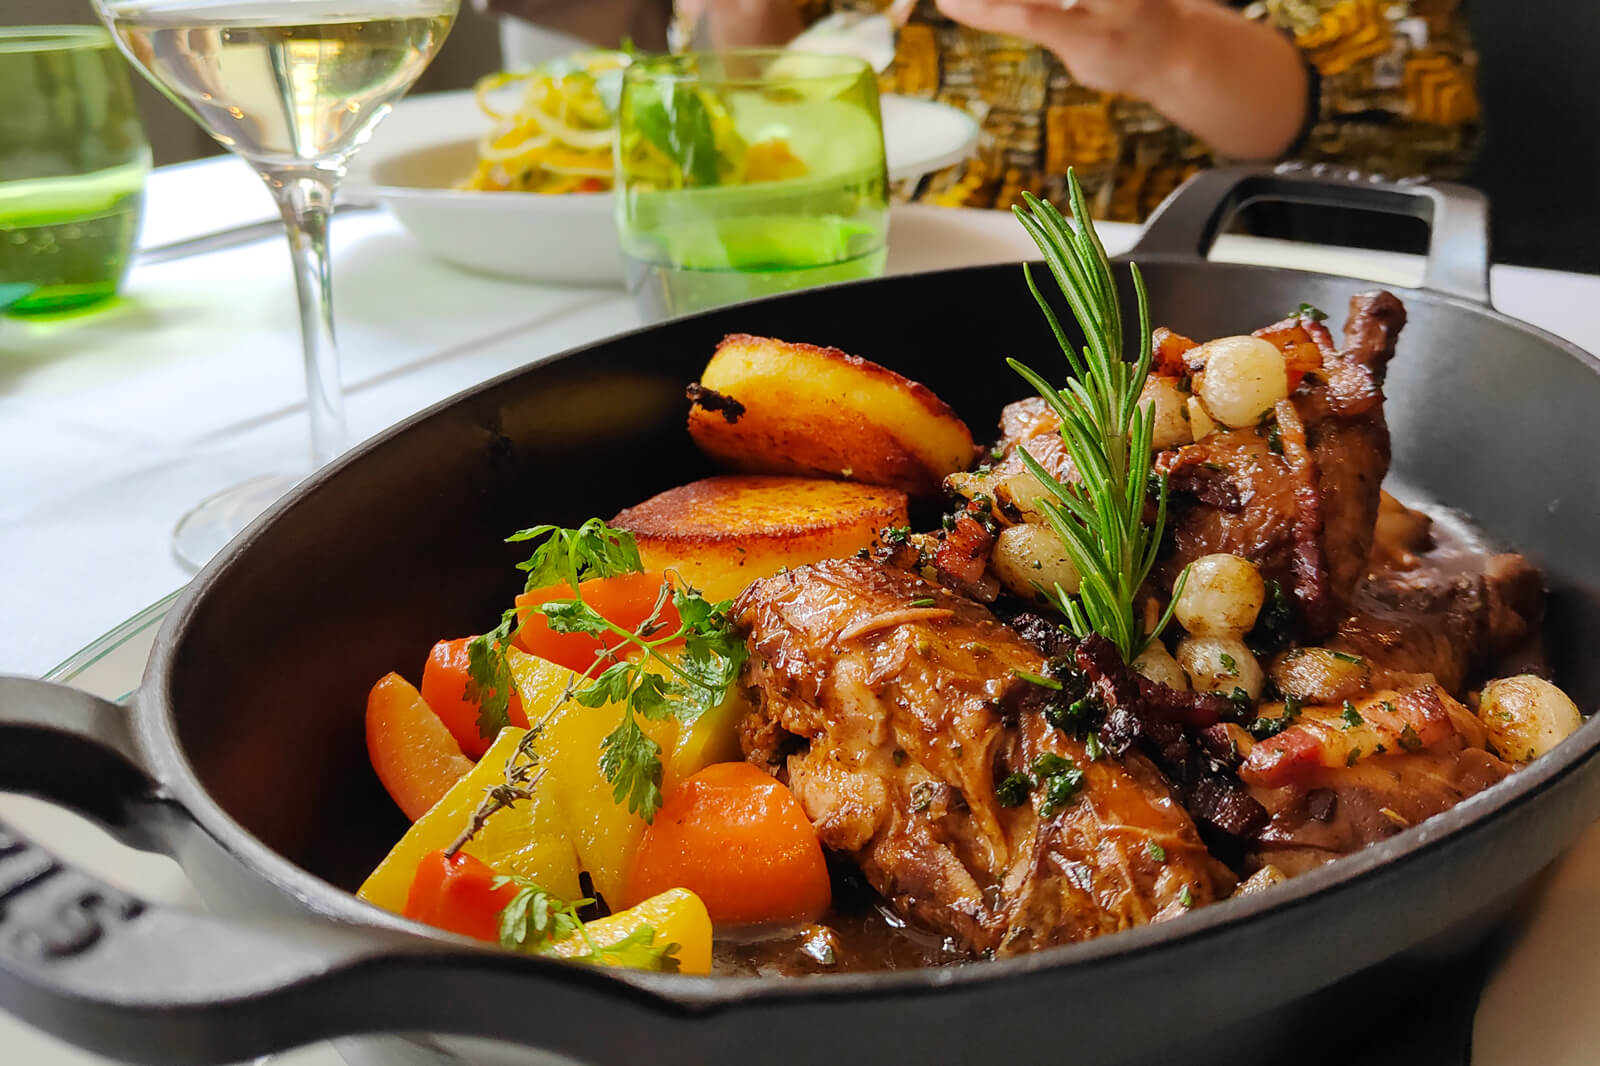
(73, 161)
(748, 173)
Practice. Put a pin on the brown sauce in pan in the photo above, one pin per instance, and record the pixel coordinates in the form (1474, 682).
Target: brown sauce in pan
(861, 933)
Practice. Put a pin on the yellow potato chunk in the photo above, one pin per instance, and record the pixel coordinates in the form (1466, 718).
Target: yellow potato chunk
(800, 409)
(721, 533)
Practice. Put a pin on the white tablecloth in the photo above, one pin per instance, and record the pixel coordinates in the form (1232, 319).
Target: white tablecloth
(113, 423)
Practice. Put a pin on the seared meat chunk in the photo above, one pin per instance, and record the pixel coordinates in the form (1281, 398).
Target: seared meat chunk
(1306, 487)
(895, 720)
(1342, 777)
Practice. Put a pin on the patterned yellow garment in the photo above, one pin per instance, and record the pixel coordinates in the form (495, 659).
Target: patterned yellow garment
(1397, 99)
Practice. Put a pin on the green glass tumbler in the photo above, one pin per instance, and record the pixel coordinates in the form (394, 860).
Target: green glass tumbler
(73, 162)
(747, 173)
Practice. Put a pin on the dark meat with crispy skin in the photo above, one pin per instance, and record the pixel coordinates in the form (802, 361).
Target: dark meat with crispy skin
(1309, 499)
(893, 725)
(1343, 777)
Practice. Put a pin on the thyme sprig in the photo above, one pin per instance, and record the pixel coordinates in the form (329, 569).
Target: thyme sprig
(1100, 517)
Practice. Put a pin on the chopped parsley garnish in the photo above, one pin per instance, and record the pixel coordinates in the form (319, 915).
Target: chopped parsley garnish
(1316, 314)
(1013, 789)
(1186, 897)
(1230, 666)
(1346, 657)
(1264, 727)
(926, 601)
(1275, 440)
(896, 534)
(1060, 779)
(1157, 852)
(1353, 757)
(1093, 748)
(1351, 716)
(1409, 739)
(1274, 623)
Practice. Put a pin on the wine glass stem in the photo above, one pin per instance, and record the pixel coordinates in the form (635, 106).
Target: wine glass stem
(305, 199)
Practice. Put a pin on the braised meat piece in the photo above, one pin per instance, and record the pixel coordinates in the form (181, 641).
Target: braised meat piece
(1299, 494)
(901, 715)
(1307, 485)
(1342, 777)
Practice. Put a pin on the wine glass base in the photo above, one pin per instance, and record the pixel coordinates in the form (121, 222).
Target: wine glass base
(217, 519)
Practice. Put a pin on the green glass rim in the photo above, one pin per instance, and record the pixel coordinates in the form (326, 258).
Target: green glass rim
(18, 39)
(681, 67)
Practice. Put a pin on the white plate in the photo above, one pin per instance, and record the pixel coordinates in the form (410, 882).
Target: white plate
(427, 144)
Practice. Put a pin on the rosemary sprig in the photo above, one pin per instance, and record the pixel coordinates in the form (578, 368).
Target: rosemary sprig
(1100, 517)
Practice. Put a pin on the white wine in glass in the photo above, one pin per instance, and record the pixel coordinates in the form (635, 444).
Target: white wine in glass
(294, 87)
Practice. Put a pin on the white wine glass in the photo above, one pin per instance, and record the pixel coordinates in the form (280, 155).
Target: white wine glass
(293, 87)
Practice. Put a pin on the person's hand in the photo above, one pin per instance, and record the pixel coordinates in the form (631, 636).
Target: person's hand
(1236, 84)
(1109, 45)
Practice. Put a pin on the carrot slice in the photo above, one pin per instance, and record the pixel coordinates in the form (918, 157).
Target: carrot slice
(739, 840)
(626, 600)
(445, 684)
(413, 752)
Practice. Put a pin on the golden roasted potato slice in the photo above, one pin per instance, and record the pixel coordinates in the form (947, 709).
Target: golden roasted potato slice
(800, 409)
(722, 533)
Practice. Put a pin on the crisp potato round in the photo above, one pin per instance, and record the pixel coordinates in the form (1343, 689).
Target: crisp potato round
(1221, 596)
(817, 412)
(1220, 664)
(1242, 379)
(1525, 716)
(721, 533)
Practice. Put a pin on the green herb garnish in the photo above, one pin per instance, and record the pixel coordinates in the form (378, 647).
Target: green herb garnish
(1013, 789)
(1264, 727)
(1157, 852)
(1038, 679)
(1351, 716)
(926, 601)
(1314, 313)
(535, 920)
(685, 686)
(1107, 434)
(1060, 778)
(1346, 657)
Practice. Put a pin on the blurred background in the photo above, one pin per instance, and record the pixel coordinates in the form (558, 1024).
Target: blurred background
(1539, 83)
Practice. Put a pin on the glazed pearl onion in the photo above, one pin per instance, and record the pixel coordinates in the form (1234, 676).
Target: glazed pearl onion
(1243, 378)
(1170, 404)
(1024, 491)
(1525, 716)
(1220, 664)
(1157, 663)
(1029, 553)
(1221, 596)
(1200, 423)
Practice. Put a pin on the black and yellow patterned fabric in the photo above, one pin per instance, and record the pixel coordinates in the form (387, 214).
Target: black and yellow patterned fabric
(1395, 89)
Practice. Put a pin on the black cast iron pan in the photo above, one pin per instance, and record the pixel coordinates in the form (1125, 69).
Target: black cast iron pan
(244, 755)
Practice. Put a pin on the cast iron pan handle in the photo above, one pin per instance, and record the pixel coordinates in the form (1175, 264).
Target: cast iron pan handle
(162, 985)
(1187, 222)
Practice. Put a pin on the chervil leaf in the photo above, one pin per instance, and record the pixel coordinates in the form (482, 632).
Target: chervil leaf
(638, 950)
(489, 680)
(612, 686)
(573, 616)
(631, 761)
(535, 917)
(570, 556)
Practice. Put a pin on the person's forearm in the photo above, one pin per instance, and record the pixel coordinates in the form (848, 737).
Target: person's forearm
(1240, 86)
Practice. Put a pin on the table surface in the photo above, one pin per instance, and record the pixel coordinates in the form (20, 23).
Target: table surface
(119, 420)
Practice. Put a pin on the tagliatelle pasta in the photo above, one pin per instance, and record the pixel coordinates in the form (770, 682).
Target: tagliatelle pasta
(560, 136)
